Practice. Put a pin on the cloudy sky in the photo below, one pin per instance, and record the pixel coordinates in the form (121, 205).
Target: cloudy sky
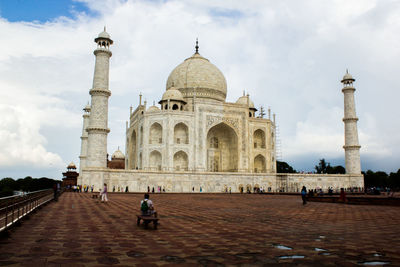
(288, 55)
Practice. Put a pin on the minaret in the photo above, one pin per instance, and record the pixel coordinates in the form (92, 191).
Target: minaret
(351, 146)
(84, 140)
(98, 129)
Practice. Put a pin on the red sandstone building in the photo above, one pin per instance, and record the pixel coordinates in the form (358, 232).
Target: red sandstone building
(70, 176)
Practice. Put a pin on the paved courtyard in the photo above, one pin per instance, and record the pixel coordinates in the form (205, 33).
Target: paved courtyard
(205, 230)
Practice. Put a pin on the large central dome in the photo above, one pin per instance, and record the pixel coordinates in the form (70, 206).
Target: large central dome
(196, 75)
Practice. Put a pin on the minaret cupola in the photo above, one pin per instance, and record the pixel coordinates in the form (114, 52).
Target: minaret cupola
(103, 40)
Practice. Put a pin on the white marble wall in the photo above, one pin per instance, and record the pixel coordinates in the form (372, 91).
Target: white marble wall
(137, 181)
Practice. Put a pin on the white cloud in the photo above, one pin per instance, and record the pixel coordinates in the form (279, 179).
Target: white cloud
(289, 55)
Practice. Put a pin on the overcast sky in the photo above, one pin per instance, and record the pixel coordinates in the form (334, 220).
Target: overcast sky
(288, 55)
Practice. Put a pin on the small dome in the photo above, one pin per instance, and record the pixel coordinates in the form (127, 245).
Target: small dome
(71, 166)
(348, 77)
(118, 155)
(104, 34)
(243, 101)
(87, 108)
(172, 94)
(153, 109)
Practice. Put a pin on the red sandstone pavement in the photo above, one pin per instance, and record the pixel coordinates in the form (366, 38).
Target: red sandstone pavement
(203, 230)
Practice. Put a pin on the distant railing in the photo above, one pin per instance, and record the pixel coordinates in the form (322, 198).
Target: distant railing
(14, 208)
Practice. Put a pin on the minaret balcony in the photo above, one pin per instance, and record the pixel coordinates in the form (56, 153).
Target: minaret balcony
(102, 50)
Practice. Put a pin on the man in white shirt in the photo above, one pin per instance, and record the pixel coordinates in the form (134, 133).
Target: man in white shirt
(147, 207)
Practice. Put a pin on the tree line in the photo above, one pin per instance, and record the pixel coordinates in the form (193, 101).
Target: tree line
(371, 179)
(28, 184)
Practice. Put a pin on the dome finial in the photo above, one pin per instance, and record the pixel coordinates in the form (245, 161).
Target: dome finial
(104, 27)
(197, 46)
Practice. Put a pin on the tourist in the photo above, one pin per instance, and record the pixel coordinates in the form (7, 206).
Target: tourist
(104, 194)
(147, 207)
(342, 197)
(304, 195)
(55, 191)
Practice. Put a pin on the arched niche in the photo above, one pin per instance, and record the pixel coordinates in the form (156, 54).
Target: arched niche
(222, 152)
(259, 163)
(259, 139)
(133, 151)
(180, 161)
(181, 134)
(155, 160)
(141, 135)
(155, 134)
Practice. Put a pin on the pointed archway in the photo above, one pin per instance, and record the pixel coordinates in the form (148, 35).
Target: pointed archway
(222, 149)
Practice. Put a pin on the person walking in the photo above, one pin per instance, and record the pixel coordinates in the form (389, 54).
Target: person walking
(342, 197)
(304, 195)
(104, 194)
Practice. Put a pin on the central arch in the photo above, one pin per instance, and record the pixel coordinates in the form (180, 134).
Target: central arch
(222, 149)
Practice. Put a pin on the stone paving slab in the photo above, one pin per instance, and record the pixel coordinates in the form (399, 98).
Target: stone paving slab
(204, 230)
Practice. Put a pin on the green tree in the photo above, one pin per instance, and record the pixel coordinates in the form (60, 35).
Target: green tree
(283, 167)
(322, 166)
(376, 179)
(7, 187)
(325, 167)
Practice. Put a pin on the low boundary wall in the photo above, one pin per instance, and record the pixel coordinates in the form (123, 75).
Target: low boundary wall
(214, 182)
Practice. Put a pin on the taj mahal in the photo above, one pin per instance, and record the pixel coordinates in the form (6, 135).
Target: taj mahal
(196, 141)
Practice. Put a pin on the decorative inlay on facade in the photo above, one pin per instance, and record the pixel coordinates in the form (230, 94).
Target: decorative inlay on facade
(212, 120)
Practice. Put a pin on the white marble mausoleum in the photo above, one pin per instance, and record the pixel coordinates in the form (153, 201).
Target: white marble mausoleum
(195, 139)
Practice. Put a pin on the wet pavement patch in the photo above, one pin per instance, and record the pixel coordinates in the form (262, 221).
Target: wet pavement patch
(279, 246)
(135, 254)
(247, 255)
(319, 249)
(374, 263)
(325, 254)
(170, 258)
(290, 257)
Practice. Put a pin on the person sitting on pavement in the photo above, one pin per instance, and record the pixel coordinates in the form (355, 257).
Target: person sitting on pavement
(147, 207)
